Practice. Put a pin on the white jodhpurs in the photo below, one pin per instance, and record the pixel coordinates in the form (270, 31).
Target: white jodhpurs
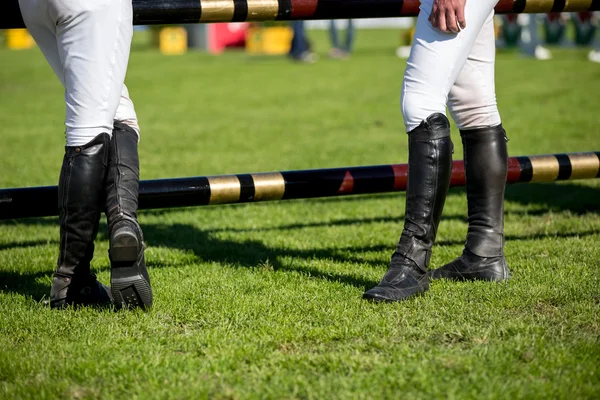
(453, 69)
(87, 44)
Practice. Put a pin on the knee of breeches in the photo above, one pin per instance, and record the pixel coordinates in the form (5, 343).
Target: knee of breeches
(417, 107)
(473, 108)
(475, 116)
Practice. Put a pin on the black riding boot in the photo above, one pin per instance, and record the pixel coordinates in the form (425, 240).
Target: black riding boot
(80, 194)
(429, 169)
(130, 283)
(486, 166)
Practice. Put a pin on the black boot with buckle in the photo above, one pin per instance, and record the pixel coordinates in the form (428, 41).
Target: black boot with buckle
(130, 283)
(486, 166)
(80, 198)
(429, 169)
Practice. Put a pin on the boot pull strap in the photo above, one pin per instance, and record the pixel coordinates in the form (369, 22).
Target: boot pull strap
(415, 251)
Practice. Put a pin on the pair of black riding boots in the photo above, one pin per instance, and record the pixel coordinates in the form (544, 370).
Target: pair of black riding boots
(103, 174)
(429, 172)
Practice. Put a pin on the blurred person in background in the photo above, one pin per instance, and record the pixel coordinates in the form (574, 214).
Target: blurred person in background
(300, 47)
(587, 30)
(403, 51)
(594, 54)
(530, 43)
(341, 52)
(87, 45)
(522, 30)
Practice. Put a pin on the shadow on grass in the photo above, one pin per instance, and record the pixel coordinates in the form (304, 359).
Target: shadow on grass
(25, 284)
(26, 243)
(578, 199)
(571, 196)
(575, 198)
(252, 253)
(43, 221)
(535, 236)
(243, 254)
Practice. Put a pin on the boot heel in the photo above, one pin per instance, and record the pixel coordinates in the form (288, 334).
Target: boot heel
(125, 246)
(129, 288)
(498, 272)
(470, 267)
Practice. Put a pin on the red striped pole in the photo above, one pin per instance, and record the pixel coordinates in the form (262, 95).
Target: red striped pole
(267, 186)
(152, 12)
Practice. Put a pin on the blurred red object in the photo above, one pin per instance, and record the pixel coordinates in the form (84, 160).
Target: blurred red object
(224, 35)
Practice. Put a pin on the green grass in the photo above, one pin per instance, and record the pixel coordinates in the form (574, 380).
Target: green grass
(264, 300)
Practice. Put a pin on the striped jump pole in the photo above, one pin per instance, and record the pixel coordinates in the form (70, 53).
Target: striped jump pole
(152, 12)
(266, 186)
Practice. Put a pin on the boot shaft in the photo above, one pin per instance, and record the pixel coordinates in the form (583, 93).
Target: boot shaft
(486, 166)
(80, 198)
(122, 182)
(429, 170)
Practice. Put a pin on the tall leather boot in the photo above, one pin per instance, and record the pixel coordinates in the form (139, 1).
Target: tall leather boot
(130, 283)
(80, 198)
(486, 166)
(429, 170)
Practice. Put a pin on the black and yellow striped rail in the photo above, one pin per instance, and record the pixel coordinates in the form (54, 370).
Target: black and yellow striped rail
(149, 12)
(240, 188)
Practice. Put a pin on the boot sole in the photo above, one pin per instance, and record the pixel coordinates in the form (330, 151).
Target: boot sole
(379, 298)
(489, 276)
(129, 288)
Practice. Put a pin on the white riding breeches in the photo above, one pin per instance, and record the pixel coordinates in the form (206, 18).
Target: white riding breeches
(452, 69)
(87, 44)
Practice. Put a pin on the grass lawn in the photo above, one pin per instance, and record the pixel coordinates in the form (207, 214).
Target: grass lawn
(264, 300)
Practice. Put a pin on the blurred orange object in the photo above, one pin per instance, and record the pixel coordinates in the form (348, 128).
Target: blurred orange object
(19, 39)
(173, 40)
(274, 40)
